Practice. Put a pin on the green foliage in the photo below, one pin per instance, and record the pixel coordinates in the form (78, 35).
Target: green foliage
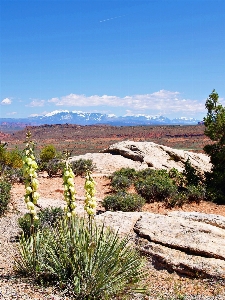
(89, 263)
(127, 172)
(50, 161)
(191, 175)
(215, 119)
(124, 202)
(157, 186)
(13, 175)
(25, 224)
(15, 159)
(81, 166)
(10, 164)
(53, 167)
(215, 130)
(120, 183)
(178, 199)
(145, 173)
(48, 153)
(48, 217)
(3, 153)
(122, 179)
(177, 177)
(173, 188)
(5, 188)
(195, 192)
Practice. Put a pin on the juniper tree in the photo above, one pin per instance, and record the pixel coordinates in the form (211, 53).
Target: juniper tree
(215, 130)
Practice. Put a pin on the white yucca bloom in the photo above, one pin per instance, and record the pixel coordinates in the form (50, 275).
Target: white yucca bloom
(31, 183)
(90, 200)
(69, 190)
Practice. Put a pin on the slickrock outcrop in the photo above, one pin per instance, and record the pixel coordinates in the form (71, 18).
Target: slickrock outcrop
(107, 163)
(189, 243)
(159, 156)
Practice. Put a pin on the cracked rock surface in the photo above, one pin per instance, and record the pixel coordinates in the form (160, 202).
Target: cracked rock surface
(178, 241)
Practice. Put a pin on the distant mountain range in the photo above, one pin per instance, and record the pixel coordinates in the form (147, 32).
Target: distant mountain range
(83, 118)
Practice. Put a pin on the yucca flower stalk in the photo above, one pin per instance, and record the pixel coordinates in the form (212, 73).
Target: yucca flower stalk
(90, 200)
(31, 183)
(69, 190)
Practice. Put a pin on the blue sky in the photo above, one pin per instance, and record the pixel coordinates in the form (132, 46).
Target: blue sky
(155, 57)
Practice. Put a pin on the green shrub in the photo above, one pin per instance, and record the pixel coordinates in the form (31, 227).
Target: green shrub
(195, 193)
(10, 164)
(177, 177)
(13, 175)
(15, 159)
(5, 188)
(178, 199)
(157, 186)
(191, 175)
(126, 172)
(89, 264)
(48, 217)
(48, 153)
(124, 202)
(120, 183)
(145, 173)
(81, 166)
(53, 167)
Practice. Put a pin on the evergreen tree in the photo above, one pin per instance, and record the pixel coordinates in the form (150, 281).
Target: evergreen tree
(215, 130)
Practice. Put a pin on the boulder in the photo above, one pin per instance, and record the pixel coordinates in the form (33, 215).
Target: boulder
(106, 163)
(159, 156)
(189, 243)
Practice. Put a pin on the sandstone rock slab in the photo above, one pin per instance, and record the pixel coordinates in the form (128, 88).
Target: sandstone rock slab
(212, 219)
(123, 222)
(190, 247)
(189, 236)
(159, 156)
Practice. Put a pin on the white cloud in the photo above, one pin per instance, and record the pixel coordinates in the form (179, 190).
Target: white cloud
(36, 103)
(6, 101)
(34, 115)
(160, 102)
(12, 113)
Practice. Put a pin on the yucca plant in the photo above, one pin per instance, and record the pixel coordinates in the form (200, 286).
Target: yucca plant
(94, 264)
(31, 250)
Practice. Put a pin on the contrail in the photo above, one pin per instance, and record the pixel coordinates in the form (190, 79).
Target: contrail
(111, 19)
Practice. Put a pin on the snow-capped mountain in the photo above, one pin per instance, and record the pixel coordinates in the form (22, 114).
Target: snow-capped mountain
(84, 118)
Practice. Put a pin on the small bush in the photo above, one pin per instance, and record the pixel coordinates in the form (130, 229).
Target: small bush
(48, 153)
(10, 164)
(53, 167)
(120, 183)
(157, 186)
(178, 199)
(13, 175)
(195, 193)
(124, 202)
(126, 172)
(145, 173)
(81, 166)
(48, 217)
(89, 264)
(5, 188)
